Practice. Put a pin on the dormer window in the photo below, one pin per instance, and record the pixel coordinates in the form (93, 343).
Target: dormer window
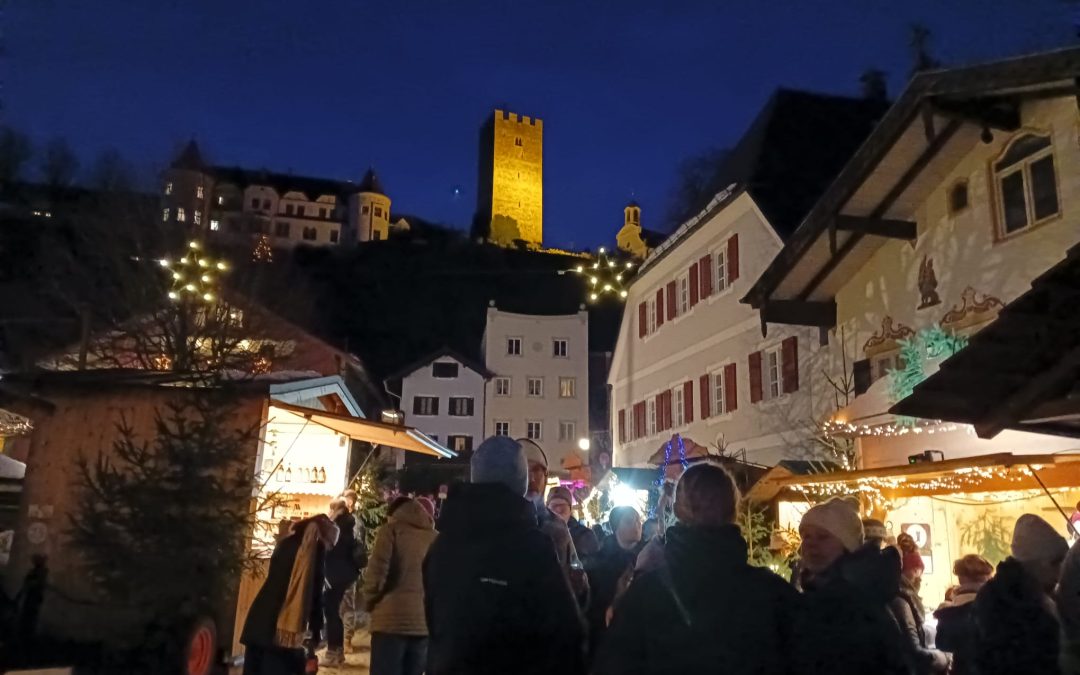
(1026, 184)
(168, 188)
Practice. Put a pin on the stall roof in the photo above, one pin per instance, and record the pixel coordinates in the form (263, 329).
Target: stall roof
(1020, 372)
(403, 438)
(985, 473)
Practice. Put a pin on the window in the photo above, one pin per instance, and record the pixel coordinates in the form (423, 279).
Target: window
(199, 192)
(1026, 184)
(181, 217)
(558, 348)
(310, 234)
(221, 199)
(771, 373)
(446, 370)
(721, 270)
(255, 203)
(459, 443)
(883, 364)
(165, 215)
(517, 141)
(679, 405)
(461, 406)
(281, 228)
(502, 386)
(300, 210)
(502, 428)
(535, 387)
(513, 346)
(322, 211)
(376, 235)
(650, 416)
(288, 209)
(364, 209)
(719, 405)
(425, 405)
(378, 212)
(958, 197)
(215, 225)
(684, 294)
(168, 188)
(567, 387)
(650, 313)
(333, 236)
(534, 431)
(266, 204)
(567, 431)
(198, 217)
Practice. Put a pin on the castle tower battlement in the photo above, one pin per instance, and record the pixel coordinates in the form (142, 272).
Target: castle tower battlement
(510, 194)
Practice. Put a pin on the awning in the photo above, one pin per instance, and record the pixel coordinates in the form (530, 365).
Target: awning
(986, 473)
(403, 438)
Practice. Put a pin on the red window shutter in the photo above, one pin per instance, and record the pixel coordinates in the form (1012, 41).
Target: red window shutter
(622, 425)
(706, 396)
(671, 300)
(731, 388)
(639, 419)
(789, 355)
(642, 318)
(733, 258)
(688, 401)
(755, 377)
(705, 275)
(694, 284)
(669, 409)
(659, 307)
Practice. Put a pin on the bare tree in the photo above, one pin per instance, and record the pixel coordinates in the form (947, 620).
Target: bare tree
(59, 165)
(15, 152)
(695, 185)
(110, 172)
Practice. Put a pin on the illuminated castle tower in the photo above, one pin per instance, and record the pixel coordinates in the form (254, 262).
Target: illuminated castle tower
(510, 195)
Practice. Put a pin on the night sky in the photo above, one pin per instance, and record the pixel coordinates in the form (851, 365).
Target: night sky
(626, 88)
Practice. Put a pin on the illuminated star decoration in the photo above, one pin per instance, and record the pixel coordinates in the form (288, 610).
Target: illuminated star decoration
(605, 275)
(195, 275)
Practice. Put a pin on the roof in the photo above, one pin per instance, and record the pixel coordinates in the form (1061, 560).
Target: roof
(790, 153)
(1020, 372)
(939, 109)
(394, 436)
(371, 183)
(189, 159)
(282, 182)
(472, 364)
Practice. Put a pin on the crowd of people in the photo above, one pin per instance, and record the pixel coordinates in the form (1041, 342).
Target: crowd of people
(505, 580)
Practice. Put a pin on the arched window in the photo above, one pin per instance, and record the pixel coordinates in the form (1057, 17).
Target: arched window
(1026, 184)
(958, 197)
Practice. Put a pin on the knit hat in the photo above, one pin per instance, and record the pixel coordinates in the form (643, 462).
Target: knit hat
(838, 519)
(874, 529)
(500, 459)
(1034, 540)
(560, 492)
(533, 452)
(427, 505)
(912, 561)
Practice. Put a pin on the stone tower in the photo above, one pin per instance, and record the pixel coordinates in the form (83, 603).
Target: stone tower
(510, 195)
(371, 209)
(185, 196)
(630, 238)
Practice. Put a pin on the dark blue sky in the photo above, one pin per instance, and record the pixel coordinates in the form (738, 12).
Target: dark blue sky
(626, 88)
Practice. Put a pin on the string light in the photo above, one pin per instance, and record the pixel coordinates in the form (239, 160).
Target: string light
(605, 275)
(837, 428)
(194, 278)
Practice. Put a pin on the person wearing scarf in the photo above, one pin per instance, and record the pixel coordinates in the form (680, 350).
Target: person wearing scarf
(287, 607)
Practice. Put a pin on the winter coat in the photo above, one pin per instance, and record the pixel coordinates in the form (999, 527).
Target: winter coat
(705, 611)
(1016, 627)
(394, 581)
(341, 569)
(553, 526)
(610, 571)
(956, 630)
(495, 597)
(261, 623)
(845, 625)
(1068, 604)
(585, 540)
(907, 609)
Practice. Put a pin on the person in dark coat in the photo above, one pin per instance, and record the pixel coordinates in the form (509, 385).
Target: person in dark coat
(704, 610)
(341, 573)
(845, 625)
(496, 599)
(611, 570)
(955, 624)
(907, 608)
(561, 503)
(288, 606)
(1016, 623)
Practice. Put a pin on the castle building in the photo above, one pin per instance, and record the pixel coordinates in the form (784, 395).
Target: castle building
(238, 204)
(632, 238)
(510, 190)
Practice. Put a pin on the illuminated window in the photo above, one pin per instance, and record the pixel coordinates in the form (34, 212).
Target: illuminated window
(181, 217)
(567, 387)
(221, 199)
(168, 188)
(1026, 184)
(535, 387)
(534, 431)
(502, 386)
(198, 217)
(567, 431)
(215, 225)
(164, 215)
(771, 374)
(461, 406)
(199, 192)
(650, 411)
(502, 428)
(459, 443)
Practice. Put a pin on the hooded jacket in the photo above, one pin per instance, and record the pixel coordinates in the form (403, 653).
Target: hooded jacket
(495, 598)
(1016, 627)
(705, 611)
(845, 625)
(907, 609)
(393, 580)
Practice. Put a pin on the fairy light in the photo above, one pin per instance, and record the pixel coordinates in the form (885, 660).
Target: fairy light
(194, 278)
(838, 428)
(604, 275)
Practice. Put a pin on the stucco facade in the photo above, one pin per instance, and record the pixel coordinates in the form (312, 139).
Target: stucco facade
(709, 347)
(540, 383)
(445, 398)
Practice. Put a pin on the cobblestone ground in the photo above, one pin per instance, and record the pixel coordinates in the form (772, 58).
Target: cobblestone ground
(357, 662)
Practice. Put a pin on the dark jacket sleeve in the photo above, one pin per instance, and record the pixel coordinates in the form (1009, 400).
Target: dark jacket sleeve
(922, 660)
(556, 612)
(624, 649)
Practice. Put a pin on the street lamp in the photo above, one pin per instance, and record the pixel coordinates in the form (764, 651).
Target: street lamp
(584, 443)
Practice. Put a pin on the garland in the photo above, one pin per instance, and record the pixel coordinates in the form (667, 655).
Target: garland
(659, 482)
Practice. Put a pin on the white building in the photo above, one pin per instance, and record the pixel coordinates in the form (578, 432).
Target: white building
(540, 383)
(690, 359)
(443, 396)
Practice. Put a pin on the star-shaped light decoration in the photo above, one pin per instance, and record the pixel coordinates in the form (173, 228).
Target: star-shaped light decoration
(605, 275)
(195, 275)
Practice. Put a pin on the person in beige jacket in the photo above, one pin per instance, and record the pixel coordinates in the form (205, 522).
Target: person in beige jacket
(394, 590)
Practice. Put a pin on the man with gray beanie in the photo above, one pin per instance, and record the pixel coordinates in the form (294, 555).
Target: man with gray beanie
(495, 596)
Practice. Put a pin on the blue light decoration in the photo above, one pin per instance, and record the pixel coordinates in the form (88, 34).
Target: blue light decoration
(659, 482)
